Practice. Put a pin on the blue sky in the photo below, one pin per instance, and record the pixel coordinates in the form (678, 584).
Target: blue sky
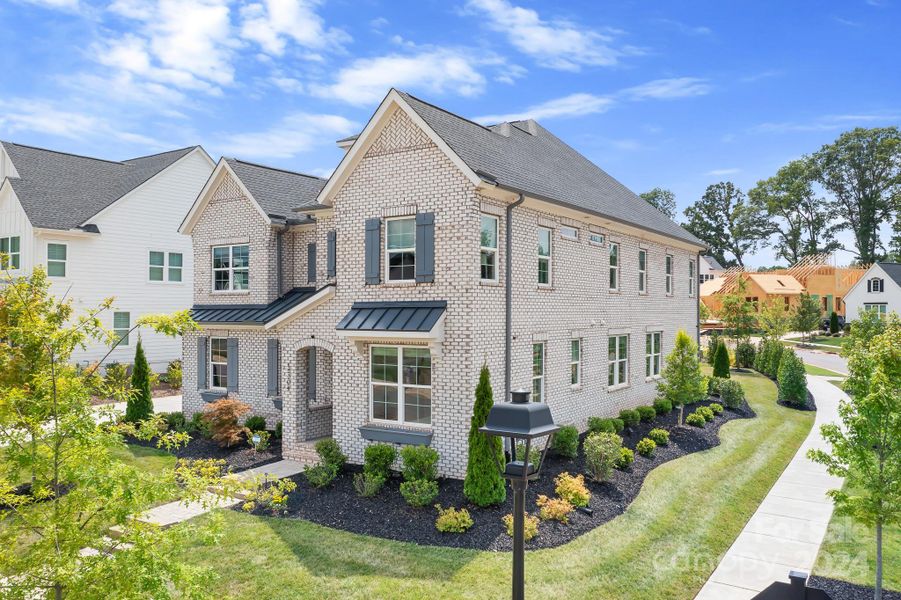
(678, 95)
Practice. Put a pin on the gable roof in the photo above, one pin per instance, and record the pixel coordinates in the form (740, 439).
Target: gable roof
(893, 270)
(712, 262)
(277, 191)
(58, 190)
(777, 284)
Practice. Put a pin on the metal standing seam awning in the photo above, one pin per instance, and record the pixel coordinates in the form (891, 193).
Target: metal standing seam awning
(258, 315)
(412, 321)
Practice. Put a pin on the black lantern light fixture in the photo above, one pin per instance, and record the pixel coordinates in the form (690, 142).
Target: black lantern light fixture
(521, 421)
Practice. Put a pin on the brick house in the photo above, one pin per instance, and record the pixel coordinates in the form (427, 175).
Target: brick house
(362, 307)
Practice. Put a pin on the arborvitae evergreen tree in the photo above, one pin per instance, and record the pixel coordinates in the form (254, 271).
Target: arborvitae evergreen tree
(792, 379)
(483, 485)
(721, 361)
(833, 323)
(140, 402)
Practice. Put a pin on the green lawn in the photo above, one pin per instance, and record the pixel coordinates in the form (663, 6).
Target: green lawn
(149, 459)
(664, 546)
(814, 370)
(836, 342)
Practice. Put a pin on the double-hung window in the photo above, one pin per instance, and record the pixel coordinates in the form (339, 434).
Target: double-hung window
(400, 243)
(879, 309)
(652, 354)
(158, 266)
(121, 326)
(544, 256)
(614, 266)
(642, 271)
(11, 253)
(691, 278)
(57, 256)
(400, 381)
(219, 362)
(575, 362)
(538, 372)
(231, 268)
(488, 248)
(618, 360)
(669, 275)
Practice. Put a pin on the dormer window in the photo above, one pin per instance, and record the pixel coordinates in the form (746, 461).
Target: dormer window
(875, 285)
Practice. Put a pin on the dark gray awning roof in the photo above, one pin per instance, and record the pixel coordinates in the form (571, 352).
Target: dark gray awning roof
(393, 316)
(250, 314)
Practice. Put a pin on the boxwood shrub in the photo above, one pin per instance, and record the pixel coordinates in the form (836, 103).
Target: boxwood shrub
(716, 407)
(646, 447)
(696, 420)
(630, 417)
(566, 441)
(646, 413)
(378, 458)
(419, 492)
(732, 395)
(626, 458)
(705, 412)
(662, 406)
(660, 436)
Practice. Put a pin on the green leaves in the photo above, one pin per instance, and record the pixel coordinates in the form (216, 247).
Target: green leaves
(682, 382)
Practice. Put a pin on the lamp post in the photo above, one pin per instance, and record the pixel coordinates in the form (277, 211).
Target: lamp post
(520, 420)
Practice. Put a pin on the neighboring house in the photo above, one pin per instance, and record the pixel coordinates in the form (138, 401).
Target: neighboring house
(366, 312)
(104, 228)
(878, 290)
(709, 269)
(760, 289)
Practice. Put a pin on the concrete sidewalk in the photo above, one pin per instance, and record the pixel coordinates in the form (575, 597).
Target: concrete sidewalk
(162, 404)
(788, 528)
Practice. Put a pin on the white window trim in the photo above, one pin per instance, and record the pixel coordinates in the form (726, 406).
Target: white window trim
(568, 232)
(595, 242)
(617, 384)
(540, 378)
(880, 308)
(388, 252)
(669, 264)
(211, 362)
(619, 260)
(576, 363)
(642, 273)
(231, 269)
(659, 354)
(166, 266)
(400, 385)
(549, 257)
(494, 251)
(691, 279)
(872, 285)
(64, 261)
(116, 330)
(9, 239)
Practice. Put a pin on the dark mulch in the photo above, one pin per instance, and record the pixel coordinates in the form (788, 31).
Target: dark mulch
(842, 590)
(24, 489)
(387, 515)
(238, 457)
(810, 406)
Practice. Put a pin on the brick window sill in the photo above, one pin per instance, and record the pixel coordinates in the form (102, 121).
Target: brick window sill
(616, 388)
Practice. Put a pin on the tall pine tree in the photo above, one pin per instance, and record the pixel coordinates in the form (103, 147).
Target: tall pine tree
(484, 485)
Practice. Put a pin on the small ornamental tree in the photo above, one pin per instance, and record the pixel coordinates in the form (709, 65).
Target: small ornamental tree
(774, 318)
(807, 315)
(140, 400)
(737, 312)
(791, 379)
(721, 361)
(483, 485)
(833, 323)
(681, 381)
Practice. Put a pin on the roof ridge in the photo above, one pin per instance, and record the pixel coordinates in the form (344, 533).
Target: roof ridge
(253, 164)
(128, 160)
(444, 110)
(106, 160)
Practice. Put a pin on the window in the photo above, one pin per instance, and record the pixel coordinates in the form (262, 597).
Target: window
(879, 309)
(401, 384)
(652, 354)
(56, 260)
(669, 275)
(569, 233)
(219, 362)
(875, 285)
(537, 372)
(575, 362)
(400, 242)
(121, 326)
(158, 266)
(787, 302)
(175, 265)
(10, 248)
(642, 271)
(618, 365)
(488, 247)
(691, 278)
(544, 256)
(231, 268)
(596, 239)
(614, 266)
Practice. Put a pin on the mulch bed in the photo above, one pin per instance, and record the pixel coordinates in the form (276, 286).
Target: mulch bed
(237, 458)
(810, 406)
(387, 515)
(842, 590)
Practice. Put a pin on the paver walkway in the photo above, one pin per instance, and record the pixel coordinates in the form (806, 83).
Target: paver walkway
(788, 528)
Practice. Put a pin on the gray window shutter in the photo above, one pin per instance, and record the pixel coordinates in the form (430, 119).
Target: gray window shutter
(425, 247)
(232, 383)
(331, 254)
(373, 250)
(311, 262)
(202, 345)
(311, 373)
(272, 366)
(869, 285)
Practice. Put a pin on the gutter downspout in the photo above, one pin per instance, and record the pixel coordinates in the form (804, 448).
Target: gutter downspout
(279, 276)
(697, 285)
(508, 300)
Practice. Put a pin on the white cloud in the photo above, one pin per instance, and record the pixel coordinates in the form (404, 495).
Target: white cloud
(685, 28)
(296, 133)
(556, 44)
(574, 105)
(510, 73)
(663, 89)
(272, 23)
(289, 85)
(721, 172)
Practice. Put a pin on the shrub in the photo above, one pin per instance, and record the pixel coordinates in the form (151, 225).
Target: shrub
(732, 394)
(419, 492)
(451, 520)
(368, 484)
(715, 384)
(792, 380)
(696, 420)
(140, 402)
(682, 382)
(330, 453)
(744, 355)
(572, 489)
(378, 458)
(646, 413)
(626, 458)
(320, 475)
(566, 441)
(278, 430)
(716, 407)
(601, 452)
(618, 425)
(483, 485)
(775, 358)
(222, 417)
(174, 374)
(713, 342)
(721, 361)
(200, 425)
(662, 406)
(761, 358)
(270, 495)
(554, 509)
(599, 425)
(255, 423)
(530, 528)
(420, 462)
(833, 323)
(705, 412)
(646, 447)
(262, 440)
(659, 436)
(630, 417)
(534, 453)
(116, 378)
(175, 421)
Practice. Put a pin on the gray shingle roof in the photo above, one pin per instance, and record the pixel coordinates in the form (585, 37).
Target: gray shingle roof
(250, 314)
(893, 270)
(418, 316)
(278, 191)
(543, 166)
(62, 191)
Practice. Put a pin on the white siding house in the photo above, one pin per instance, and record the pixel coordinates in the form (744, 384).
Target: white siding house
(879, 289)
(93, 225)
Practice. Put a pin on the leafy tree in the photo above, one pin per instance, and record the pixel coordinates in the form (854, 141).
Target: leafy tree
(663, 200)
(728, 223)
(721, 361)
(860, 371)
(737, 312)
(866, 446)
(140, 400)
(681, 381)
(774, 318)
(703, 312)
(862, 172)
(807, 315)
(800, 220)
(483, 485)
(792, 379)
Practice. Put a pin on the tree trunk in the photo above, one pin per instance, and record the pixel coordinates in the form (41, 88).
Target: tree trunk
(877, 592)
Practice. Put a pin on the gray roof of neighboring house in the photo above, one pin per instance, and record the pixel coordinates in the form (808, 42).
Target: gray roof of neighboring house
(278, 191)
(61, 191)
(418, 316)
(250, 314)
(893, 270)
(544, 167)
(713, 263)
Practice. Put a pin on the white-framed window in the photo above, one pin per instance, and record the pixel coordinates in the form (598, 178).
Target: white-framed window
(488, 248)
(642, 271)
(121, 326)
(544, 256)
(219, 362)
(231, 268)
(691, 278)
(614, 266)
(669, 274)
(880, 309)
(652, 354)
(596, 239)
(575, 361)
(160, 267)
(400, 249)
(10, 248)
(57, 259)
(400, 384)
(569, 233)
(538, 372)
(618, 360)
(875, 285)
